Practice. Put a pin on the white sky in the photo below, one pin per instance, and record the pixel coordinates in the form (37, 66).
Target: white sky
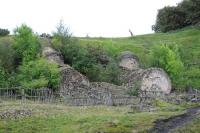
(106, 18)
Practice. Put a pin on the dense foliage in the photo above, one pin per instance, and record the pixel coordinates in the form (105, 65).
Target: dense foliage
(184, 14)
(38, 73)
(166, 58)
(4, 32)
(170, 18)
(84, 58)
(21, 63)
(7, 56)
(26, 44)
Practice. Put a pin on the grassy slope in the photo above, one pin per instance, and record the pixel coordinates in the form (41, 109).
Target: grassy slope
(48, 118)
(187, 39)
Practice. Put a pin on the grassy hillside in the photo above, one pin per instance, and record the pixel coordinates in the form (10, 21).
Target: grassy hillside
(48, 118)
(188, 40)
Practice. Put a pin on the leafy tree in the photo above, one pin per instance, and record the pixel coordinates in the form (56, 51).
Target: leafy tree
(168, 59)
(4, 32)
(62, 35)
(27, 46)
(184, 14)
(169, 18)
(38, 73)
(192, 10)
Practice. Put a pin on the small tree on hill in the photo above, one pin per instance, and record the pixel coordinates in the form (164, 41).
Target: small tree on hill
(4, 32)
(27, 46)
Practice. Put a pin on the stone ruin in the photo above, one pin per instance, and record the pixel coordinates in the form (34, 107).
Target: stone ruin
(72, 83)
(75, 85)
(52, 55)
(128, 61)
(150, 80)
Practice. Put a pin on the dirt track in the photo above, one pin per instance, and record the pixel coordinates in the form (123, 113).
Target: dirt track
(168, 125)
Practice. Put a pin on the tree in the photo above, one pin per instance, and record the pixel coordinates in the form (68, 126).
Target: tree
(192, 10)
(4, 32)
(26, 46)
(62, 35)
(169, 18)
(186, 13)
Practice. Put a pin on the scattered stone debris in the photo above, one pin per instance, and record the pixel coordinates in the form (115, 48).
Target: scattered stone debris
(16, 114)
(52, 56)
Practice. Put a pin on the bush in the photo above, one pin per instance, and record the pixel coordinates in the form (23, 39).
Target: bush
(84, 58)
(168, 59)
(38, 73)
(7, 56)
(26, 45)
(193, 77)
(4, 32)
(3, 78)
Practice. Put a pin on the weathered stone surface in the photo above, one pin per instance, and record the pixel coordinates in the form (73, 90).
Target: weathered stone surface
(155, 79)
(53, 56)
(73, 83)
(152, 79)
(128, 61)
(108, 88)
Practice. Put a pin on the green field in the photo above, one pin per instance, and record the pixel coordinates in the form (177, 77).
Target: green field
(48, 118)
(187, 39)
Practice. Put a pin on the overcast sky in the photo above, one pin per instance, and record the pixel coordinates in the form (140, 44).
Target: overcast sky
(106, 18)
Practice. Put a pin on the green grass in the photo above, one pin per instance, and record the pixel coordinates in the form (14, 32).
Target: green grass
(48, 118)
(187, 39)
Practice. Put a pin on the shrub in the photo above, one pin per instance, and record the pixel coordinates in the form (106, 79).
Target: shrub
(38, 73)
(168, 59)
(4, 32)
(84, 58)
(3, 78)
(7, 56)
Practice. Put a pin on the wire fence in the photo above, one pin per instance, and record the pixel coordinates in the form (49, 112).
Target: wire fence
(45, 95)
